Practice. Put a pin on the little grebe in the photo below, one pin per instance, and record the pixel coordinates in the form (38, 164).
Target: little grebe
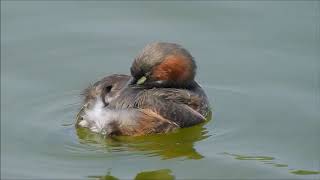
(160, 96)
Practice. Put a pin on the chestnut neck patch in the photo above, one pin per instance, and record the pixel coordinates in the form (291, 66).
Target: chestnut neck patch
(174, 68)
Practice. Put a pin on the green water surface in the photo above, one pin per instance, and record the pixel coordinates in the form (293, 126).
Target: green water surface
(258, 61)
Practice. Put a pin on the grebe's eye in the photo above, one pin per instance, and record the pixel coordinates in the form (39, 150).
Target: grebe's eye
(107, 89)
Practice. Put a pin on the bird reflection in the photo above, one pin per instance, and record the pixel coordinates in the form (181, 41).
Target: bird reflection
(161, 174)
(178, 144)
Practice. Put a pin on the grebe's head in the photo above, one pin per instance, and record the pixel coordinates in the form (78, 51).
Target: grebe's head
(163, 64)
(105, 90)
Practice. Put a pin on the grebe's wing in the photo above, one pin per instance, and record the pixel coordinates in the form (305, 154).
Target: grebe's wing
(131, 122)
(195, 98)
(177, 105)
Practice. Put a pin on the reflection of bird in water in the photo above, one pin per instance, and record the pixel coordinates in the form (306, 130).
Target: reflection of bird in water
(161, 95)
(179, 144)
(161, 174)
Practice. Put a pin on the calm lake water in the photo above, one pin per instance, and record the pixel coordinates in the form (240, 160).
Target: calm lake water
(259, 63)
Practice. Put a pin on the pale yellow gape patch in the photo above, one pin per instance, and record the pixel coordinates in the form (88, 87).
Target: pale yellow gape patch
(141, 80)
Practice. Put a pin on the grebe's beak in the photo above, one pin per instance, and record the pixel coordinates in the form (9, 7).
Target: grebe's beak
(141, 80)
